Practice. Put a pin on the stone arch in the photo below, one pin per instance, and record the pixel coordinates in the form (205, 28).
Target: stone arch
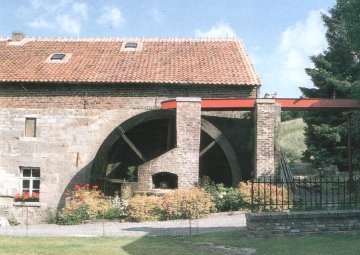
(101, 158)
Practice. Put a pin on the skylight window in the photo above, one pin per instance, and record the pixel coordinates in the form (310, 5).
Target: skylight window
(132, 45)
(57, 56)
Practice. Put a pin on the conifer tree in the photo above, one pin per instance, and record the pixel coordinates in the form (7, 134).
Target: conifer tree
(335, 74)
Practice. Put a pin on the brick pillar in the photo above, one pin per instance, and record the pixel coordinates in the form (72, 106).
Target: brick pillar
(188, 128)
(267, 119)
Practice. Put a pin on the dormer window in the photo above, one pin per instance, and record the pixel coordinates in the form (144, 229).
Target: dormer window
(57, 56)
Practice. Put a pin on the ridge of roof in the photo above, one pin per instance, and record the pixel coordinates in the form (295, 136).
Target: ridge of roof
(121, 39)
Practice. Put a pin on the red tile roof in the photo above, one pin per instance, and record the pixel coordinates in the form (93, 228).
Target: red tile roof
(178, 61)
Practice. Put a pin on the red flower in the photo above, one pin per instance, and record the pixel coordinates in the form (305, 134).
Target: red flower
(35, 195)
(95, 187)
(77, 187)
(26, 195)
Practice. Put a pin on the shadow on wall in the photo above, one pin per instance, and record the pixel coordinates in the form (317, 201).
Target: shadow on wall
(81, 178)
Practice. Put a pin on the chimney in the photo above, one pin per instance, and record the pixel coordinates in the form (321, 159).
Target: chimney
(17, 36)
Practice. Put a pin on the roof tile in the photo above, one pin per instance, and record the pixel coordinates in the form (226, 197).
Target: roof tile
(179, 61)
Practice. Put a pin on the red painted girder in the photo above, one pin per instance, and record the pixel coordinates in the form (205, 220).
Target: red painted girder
(287, 104)
(317, 104)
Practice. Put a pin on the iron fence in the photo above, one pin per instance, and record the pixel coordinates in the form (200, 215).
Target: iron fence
(269, 194)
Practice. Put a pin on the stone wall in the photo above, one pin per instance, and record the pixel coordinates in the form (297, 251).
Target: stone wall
(66, 142)
(73, 120)
(302, 223)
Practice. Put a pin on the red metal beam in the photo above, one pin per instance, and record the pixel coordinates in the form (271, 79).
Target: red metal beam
(287, 104)
(318, 104)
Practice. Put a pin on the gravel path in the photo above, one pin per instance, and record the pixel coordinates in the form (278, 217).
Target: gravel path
(218, 222)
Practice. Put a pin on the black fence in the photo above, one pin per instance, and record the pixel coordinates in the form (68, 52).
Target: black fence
(268, 194)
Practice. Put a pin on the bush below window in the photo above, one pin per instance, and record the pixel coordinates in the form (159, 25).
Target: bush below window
(85, 203)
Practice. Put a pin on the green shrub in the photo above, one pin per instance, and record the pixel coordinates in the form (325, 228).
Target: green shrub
(225, 199)
(114, 213)
(145, 208)
(75, 216)
(187, 204)
(117, 209)
(84, 203)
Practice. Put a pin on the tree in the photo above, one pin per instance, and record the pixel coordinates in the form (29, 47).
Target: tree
(350, 15)
(350, 11)
(336, 73)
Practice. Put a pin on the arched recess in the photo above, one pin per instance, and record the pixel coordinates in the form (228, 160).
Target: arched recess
(225, 146)
(101, 158)
(100, 163)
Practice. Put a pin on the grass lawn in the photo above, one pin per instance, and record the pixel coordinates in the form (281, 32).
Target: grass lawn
(200, 244)
(292, 138)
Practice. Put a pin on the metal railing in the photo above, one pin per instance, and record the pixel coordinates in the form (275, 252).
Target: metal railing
(269, 194)
(285, 173)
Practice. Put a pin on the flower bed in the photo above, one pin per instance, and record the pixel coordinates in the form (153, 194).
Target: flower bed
(88, 203)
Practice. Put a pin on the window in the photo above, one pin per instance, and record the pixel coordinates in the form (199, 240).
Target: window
(57, 56)
(131, 45)
(30, 127)
(30, 180)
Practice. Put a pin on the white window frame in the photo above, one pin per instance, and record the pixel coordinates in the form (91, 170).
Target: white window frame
(33, 121)
(31, 179)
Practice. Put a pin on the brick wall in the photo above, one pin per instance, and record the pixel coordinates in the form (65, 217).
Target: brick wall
(266, 117)
(184, 159)
(301, 223)
(100, 96)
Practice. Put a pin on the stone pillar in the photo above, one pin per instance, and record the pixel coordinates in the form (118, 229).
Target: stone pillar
(188, 129)
(267, 118)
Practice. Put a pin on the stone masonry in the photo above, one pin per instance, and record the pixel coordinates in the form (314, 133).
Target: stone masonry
(77, 104)
(303, 223)
(66, 142)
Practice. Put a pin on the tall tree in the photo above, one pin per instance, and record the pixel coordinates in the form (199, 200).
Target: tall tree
(336, 71)
(350, 13)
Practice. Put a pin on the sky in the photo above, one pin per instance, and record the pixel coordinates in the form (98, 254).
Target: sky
(280, 35)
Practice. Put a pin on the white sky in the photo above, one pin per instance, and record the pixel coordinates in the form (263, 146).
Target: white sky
(280, 35)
